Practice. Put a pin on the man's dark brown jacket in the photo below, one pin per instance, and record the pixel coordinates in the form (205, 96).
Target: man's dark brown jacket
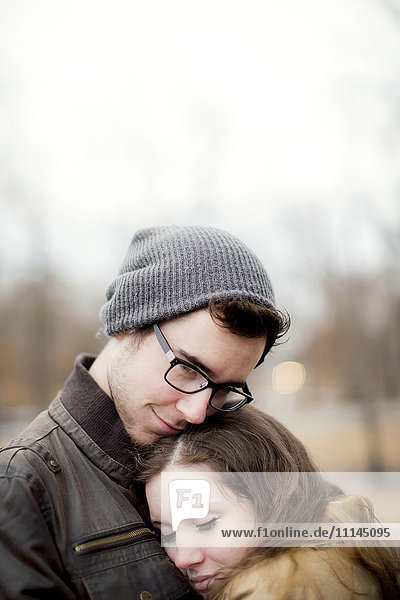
(68, 528)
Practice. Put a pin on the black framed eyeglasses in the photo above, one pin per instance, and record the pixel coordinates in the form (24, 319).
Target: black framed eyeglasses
(187, 378)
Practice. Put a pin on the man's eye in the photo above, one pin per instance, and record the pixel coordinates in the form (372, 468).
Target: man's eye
(208, 525)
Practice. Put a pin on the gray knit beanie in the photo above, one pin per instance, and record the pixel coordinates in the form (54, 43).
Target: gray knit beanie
(172, 270)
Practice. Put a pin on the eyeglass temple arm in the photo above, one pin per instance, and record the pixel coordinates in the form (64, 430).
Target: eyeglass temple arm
(246, 389)
(163, 343)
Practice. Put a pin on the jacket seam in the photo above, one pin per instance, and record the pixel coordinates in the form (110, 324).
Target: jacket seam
(35, 438)
(20, 445)
(53, 427)
(16, 450)
(19, 442)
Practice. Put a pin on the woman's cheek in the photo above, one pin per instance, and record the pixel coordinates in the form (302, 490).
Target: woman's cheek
(171, 552)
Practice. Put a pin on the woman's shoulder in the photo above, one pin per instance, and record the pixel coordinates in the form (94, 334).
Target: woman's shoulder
(304, 574)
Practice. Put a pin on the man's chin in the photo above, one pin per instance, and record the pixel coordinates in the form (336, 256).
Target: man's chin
(147, 438)
(142, 440)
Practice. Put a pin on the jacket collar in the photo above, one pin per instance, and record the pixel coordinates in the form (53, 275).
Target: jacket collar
(88, 415)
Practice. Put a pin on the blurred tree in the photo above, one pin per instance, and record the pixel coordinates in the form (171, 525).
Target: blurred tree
(356, 348)
(40, 334)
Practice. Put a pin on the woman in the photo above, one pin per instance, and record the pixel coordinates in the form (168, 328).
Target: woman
(240, 445)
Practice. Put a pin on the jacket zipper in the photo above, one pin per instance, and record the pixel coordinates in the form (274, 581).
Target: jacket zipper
(112, 539)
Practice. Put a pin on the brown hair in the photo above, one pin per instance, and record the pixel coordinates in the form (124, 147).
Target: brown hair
(246, 440)
(250, 318)
(249, 441)
(245, 443)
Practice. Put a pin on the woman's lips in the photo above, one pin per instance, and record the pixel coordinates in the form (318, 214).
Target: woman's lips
(200, 584)
(166, 427)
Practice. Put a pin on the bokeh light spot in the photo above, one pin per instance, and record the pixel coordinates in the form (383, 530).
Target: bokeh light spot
(288, 377)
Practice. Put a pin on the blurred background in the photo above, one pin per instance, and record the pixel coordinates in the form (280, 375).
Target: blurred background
(278, 121)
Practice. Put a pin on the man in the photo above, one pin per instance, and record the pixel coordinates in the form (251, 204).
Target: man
(189, 316)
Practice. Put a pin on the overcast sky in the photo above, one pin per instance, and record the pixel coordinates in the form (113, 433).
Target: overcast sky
(275, 120)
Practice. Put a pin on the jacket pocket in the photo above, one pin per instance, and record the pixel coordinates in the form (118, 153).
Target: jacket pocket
(151, 578)
(116, 538)
(126, 563)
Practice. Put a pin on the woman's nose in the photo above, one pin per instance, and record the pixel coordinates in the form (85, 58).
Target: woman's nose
(185, 557)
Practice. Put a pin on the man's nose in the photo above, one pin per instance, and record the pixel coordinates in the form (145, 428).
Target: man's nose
(194, 407)
(187, 557)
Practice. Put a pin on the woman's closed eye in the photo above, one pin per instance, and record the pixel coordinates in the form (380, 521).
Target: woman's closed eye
(208, 525)
(169, 538)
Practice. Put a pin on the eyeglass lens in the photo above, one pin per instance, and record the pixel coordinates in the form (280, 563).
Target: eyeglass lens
(186, 379)
(226, 399)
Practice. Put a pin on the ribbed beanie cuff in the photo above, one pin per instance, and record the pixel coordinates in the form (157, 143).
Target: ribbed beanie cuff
(172, 270)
